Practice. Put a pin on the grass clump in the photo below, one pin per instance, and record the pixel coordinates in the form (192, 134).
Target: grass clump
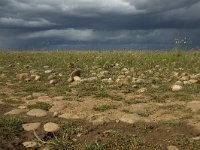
(40, 105)
(144, 113)
(9, 127)
(175, 122)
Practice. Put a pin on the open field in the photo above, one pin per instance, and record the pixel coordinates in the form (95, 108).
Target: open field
(131, 100)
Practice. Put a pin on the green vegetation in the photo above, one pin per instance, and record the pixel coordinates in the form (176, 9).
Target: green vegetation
(40, 105)
(144, 113)
(9, 127)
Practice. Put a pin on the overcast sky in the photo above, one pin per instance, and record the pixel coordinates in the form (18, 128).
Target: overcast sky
(98, 24)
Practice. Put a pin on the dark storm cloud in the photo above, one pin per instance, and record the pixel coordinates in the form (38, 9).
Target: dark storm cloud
(117, 23)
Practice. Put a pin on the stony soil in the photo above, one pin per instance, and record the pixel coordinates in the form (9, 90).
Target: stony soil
(105, 106)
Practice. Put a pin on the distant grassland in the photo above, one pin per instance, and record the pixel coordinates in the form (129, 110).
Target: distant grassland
(189, 61)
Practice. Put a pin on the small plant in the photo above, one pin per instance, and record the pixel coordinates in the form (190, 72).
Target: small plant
(105, 107)
(134, 101)
(71, 128)
(95, 145)
(175, 122)
(9, 126)
(35, 88)
(126, 111)
(144, 113)
(40, 105)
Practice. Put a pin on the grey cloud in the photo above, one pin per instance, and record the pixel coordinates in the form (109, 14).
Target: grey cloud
(89, 23)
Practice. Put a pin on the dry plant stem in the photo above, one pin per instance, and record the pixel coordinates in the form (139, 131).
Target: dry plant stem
(40, 140)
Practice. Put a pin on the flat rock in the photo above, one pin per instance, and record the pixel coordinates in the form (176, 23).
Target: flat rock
(57, 107)
(51, 127)
(37, 113)
(29, 144)
(171, 147)
(31, 126)
(176, 88)
(16, 112)
(194, 106)
(130, 118)
(69, 116)
(98, 119)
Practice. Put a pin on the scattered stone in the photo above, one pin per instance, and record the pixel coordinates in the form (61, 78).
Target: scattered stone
(51, 127)
(186, 82)
(48, 71)
(103, 74)
(59, 98)
(193, 81)
(92, 79)
(171, 147)
(53, 82)
(33, 71)
(22, 76)
(194, 106)
(109, 80)
(77, 78)
(28, 79)
(76, 72)
(30, 144)
(16, 112)
(130, 118)
(142, 90)
(45, 67)
(35, 94)
(97, 119)
(178, 83)
(52, 76)
(69, 116)
(176, 88)
(196, 138)
(37, 113)
(36, 77)
(184, 78)
(31, 126)
(57, 107)
(27, 66)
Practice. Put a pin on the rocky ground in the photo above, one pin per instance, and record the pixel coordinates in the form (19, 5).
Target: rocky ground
(100, 100)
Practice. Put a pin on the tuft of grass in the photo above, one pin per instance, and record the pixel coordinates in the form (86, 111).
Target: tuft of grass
(103, 108)
(9, 127)
(95, 145)
(35, 88)
(134, 101)
(71, 128)
(144, 113)
(40, 105)
(175, 122)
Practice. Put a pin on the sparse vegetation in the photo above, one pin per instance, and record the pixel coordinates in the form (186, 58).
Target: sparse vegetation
(105, 107)
(40, 105)
(9, 127)
(122, 82)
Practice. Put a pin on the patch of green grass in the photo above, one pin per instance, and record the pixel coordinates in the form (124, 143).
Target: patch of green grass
(95, 145)
(134, 101)
(35, 88)
(174, 107)
(144, 113)
(12, 101)
(105, 107)
(175, 122)
(9, 126)
(71, 128)
(40, 105)
(126, 111)
(147, 126)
